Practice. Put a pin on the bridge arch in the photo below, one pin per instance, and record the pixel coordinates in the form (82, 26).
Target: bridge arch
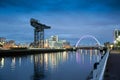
(87, 36)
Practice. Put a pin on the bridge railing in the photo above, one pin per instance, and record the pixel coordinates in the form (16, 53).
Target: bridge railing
(99, 68)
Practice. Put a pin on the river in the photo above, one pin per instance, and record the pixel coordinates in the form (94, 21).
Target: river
(49, 66)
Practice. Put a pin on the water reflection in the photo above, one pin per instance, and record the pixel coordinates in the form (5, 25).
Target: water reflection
(49, 66)
(38, 66)
(93, 55)
(1, 62)
(13, 63)
(47, 62)
(19, 61)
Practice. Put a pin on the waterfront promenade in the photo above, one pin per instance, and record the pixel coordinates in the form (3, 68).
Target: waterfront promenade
(113, 66)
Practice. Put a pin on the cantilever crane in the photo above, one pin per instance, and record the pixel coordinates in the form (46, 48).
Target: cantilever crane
(38, 33)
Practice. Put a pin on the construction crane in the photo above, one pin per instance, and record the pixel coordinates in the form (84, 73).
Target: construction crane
(38, 32)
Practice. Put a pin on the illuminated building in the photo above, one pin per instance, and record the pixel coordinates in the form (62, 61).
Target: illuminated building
(54, 42)
(2, 39)
(9, 44)
(116, 33)
(117, 37)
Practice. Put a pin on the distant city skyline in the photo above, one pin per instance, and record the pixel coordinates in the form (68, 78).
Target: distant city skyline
(69, 19)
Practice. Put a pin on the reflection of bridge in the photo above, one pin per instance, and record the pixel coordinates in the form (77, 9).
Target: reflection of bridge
(89, 47)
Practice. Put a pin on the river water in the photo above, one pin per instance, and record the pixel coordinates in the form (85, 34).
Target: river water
(49, 66)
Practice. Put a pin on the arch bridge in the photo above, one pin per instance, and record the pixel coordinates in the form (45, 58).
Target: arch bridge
(97, 46)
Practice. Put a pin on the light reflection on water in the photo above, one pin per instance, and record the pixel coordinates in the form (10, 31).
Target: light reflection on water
(1, 62)
(93, 55)
(13, 64)
(49, 66)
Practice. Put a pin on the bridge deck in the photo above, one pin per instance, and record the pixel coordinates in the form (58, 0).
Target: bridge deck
(113, 66)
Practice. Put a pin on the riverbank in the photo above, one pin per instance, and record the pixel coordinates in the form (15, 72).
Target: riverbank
(15, 52)
(113, 66)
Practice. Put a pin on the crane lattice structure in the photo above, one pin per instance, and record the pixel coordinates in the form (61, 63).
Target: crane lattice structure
(38, 33)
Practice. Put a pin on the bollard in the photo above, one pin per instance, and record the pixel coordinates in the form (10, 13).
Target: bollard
(95, 65)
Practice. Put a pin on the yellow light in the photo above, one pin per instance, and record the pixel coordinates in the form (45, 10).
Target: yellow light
(119, 37)
(111, 46)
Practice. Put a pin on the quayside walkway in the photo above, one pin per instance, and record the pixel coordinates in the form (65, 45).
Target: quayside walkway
(112, 71)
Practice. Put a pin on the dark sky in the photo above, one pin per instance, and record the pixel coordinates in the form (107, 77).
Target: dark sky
(70, 19)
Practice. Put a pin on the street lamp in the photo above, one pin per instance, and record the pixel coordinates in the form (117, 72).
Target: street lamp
(115, 42)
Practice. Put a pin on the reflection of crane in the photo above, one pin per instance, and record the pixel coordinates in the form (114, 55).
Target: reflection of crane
(39, 67)
(38, 32)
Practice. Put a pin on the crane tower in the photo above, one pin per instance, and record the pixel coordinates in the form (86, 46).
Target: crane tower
(38, 33)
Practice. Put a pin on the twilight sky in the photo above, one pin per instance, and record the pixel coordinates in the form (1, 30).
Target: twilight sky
(70, 19)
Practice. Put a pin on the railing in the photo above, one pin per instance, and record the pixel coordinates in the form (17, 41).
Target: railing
(99, 68)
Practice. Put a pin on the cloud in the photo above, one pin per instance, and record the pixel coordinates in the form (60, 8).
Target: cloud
(67, 18)
(62, 5)
(112, 4)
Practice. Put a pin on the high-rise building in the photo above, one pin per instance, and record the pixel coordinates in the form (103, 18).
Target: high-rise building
(116, 33)
(117, 37)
